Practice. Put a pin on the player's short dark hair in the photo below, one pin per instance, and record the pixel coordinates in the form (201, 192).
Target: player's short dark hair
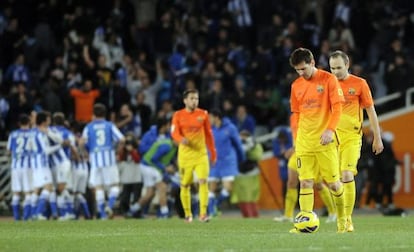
(99, 110)
(189, 91)
(41, 117)
(217, 113)
(300, 55)
(161, 122)
(24, 119)
(58, 118)
(339, 53)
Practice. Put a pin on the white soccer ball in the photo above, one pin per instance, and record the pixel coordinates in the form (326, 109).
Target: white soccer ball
(306, 222)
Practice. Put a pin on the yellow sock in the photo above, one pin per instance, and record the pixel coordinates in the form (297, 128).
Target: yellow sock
(203, 196)
(290, 201)
(306, 199)
(339, 200)
(185, 197)
(326, 197)
(349, 192)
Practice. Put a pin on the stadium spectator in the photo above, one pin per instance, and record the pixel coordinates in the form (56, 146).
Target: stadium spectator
(129, 172)
(84, 99)
(243, 120)
(247, 185)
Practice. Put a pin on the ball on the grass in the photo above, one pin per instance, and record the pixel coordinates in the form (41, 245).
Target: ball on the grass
(306, 222)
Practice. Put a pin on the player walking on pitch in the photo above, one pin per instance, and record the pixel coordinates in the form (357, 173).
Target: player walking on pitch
(316, 105)
(357, 96)
(191, 129)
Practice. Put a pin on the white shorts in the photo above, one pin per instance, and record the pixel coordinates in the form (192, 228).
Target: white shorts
(41, 177)
(21, 180)
(150, 175)
(105, 176)
(80, 180)
(61, 173)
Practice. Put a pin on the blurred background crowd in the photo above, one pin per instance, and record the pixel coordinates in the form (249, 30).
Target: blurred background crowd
(137, 56)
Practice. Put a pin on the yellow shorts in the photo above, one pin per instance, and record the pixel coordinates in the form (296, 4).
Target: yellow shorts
(349, 153)
(293, 166)
(200, 166)
(319, 164)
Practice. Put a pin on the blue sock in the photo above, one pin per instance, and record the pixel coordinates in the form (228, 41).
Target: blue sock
(111, 202)
(41, 204)
(85, 209)
(69, 208)
(195, 208)
(16, 211)
(27, 209)
(211, 208)
(53, 209)
(101, 208)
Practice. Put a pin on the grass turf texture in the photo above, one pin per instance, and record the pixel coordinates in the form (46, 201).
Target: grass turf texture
(373, 233)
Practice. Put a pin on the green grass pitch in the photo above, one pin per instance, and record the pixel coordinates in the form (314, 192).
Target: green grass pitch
(372, 233)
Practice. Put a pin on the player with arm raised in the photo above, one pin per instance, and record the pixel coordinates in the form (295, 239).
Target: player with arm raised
(99, 137)
(191, 129)
(357, 97)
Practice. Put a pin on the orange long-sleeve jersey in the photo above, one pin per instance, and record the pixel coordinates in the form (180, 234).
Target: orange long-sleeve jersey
(357, 97)
(316, 105)
(196, 128)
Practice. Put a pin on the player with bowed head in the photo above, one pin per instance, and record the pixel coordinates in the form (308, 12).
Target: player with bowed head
(357, 97)
(316, 106)
(191, 129)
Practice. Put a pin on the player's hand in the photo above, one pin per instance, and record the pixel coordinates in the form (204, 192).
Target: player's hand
(327, 137)
(288, 153)
(377, 146)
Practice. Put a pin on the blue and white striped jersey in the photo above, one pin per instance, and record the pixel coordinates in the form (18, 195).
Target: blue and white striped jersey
(63, 154)
(41, 149)
(19, 145)
(101, 136)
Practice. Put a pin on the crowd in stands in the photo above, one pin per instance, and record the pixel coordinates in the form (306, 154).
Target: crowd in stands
(138, 56)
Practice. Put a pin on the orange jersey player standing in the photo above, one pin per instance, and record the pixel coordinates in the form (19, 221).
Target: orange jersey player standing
(357, 97)
(316, 106)
(191, 129)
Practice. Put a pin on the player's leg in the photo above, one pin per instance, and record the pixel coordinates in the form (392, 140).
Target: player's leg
(327, 200)
(96, 183)
(186, 178)
(111, 179)
(202, 171)
(307, 169)
(80, 190)
(329, 170)
(349, 156)
(212, 200)
(149, 184)
(291, 198)
(16, 186)
(161, 187)
(46, 183)
(227, 174)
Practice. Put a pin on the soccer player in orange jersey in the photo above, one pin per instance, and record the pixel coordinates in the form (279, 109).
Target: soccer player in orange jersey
(316, 106)
(357, 97)
(191, 129)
